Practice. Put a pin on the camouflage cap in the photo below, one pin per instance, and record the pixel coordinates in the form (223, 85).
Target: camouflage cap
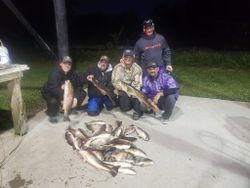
(104, 58)
(67, 59)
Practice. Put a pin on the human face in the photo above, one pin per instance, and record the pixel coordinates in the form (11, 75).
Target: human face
(66, 67)
(128, 61)
(149, 31)
(103, 65)
(153, 71)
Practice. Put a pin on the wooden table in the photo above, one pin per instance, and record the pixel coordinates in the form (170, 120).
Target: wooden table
(11, 75)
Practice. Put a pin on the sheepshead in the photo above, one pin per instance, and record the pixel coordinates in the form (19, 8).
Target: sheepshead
(71, 140)
(79, 133)
(136, 152)
(132, 91)
(96, 122)
(119, 155)
(103, 89)
(91, 158)
(120, 143)
(100, 141)
(67, 99)
(99, 130)
(140, 161)
(141, 133)
(96, 127)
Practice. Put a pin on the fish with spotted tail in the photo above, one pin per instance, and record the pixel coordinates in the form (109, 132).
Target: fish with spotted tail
(103, 89)
(67, 99)
(132, 91)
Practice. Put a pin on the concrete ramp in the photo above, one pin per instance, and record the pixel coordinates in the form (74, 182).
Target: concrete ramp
(205, 144)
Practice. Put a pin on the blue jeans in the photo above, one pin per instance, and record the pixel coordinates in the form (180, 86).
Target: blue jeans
(95, 105)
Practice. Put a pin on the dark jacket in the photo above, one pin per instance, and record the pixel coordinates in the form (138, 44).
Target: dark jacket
(103, 77)
(56, 79)
(153, 48)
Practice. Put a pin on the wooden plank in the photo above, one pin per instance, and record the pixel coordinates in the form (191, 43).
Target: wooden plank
(10, 76)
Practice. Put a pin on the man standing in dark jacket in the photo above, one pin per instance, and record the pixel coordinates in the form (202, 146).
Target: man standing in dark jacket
(53, 89)
(152, 46)
(102, 73)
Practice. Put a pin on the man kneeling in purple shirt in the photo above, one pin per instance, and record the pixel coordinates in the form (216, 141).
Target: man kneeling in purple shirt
(161, 88)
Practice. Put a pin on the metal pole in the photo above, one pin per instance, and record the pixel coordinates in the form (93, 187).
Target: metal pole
(61, 28)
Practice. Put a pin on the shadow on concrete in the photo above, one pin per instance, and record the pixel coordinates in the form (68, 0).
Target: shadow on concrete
(6, 122)
(239, 127)
(217, 158)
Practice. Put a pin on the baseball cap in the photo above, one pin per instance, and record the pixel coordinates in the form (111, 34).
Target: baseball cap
(67, 59)
(104, 58)
(148, 23)
(128, 52)
(152, 64)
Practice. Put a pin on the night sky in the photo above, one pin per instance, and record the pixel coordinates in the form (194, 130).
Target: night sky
(218, 24)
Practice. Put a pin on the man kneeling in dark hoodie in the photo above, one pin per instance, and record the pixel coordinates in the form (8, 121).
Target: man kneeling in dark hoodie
(101, 72)
(53, 89)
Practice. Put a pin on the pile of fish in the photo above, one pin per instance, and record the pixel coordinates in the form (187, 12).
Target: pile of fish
(109, 147)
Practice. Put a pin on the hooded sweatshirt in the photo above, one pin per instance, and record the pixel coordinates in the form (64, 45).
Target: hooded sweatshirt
(104, 77)
(154, 48)
(56, 79)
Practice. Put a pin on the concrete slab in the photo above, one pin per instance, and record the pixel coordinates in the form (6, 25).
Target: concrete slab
(205, 144)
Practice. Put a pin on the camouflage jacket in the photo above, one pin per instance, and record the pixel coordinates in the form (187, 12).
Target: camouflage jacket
(131, 76)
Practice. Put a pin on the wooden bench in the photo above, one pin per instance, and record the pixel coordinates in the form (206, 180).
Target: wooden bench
(11, 75)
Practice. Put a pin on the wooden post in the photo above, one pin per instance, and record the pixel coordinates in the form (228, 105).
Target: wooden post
(17, 107)
(61, 28)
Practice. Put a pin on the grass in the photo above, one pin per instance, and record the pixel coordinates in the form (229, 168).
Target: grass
(201, 73)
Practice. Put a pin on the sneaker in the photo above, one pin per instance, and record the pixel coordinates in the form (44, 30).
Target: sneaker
(53, 119)
(157, 115)
(109, 108)
(165, 116)
(164, 121)
(136, 116)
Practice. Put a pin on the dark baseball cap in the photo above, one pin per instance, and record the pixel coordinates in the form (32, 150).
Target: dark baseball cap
(67, 59)
(128, 52)
(152, 64)
(148, 23)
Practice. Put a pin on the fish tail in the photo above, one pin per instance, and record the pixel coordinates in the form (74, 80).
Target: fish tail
(114, 170)
(66, 118)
